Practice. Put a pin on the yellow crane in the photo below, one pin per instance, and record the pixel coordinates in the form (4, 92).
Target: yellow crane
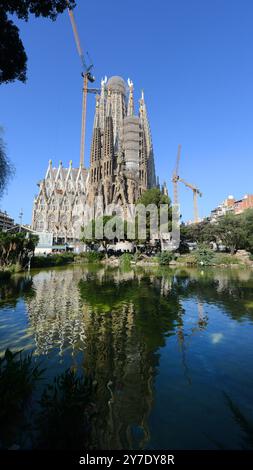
(195, 190)
(87, 77)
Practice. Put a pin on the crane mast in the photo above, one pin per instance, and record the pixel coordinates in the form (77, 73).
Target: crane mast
(195, 190)
(175, 176)
(87, 77)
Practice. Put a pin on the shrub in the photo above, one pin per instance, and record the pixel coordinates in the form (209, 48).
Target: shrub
(89, 257)
(94, 256)
(166, 257)
(52, 260)
(204, 256)
(187, 259)
(15, 268)
(126, 259)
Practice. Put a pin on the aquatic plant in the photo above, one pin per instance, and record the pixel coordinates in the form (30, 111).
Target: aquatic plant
(65, 413)
(18, 377)
(60, 419)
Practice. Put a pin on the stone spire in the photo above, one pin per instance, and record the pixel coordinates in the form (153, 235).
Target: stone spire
(130, 107)
(96, 137)
(109, 104)
(103, 103)
(108, 137)
(148, 141)
(117, 88)
(97, 113)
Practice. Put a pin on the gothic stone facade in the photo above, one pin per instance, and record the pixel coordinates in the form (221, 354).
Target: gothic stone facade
(121, 165)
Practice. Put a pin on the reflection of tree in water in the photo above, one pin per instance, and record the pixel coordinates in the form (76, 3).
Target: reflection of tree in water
(124, 330)
(245, 425)
(230, 289)
(14, 288)
(120, 320)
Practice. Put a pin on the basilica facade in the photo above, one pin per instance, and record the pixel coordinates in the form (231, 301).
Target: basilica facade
(121, 165)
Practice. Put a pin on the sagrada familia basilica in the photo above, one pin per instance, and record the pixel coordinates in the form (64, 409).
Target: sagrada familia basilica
(121, 165)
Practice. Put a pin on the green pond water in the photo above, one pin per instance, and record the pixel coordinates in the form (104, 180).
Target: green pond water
(171, 350)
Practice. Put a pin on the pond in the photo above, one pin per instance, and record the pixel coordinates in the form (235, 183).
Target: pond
(171, 351)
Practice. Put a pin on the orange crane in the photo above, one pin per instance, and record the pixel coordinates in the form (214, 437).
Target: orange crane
(195, 190)
(87, 77)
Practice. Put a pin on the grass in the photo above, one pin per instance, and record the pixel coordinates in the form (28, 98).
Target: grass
(216, 259)
(225, 258)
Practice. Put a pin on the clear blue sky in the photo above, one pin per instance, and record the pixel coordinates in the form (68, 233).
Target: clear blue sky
(194, 60)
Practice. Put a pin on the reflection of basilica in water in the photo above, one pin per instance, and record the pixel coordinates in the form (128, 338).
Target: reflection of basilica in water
(112, 316)
(56, 312)
(120, 320)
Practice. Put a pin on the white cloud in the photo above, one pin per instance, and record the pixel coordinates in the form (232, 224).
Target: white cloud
(216, 337)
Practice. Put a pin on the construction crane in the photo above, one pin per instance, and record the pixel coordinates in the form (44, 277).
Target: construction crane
(195, 190)
(87, 77)
(175, 175)
(196, 193)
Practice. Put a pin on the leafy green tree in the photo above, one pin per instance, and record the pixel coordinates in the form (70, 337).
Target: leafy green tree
(156, 197)
(231, 232)
(247, 223)
(13, 58)
(6, 169)
(16, 248)
(203, 232)
(153, 196)
(90, 235)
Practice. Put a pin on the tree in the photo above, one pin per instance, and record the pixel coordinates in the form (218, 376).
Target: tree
(247, 223)
(114, 229)
(203, 232)
(16, 248)
(231, 232)
(13, 58)
(6, 169)
(155, 197)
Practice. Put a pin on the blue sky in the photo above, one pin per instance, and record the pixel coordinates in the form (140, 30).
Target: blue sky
(194, 60)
